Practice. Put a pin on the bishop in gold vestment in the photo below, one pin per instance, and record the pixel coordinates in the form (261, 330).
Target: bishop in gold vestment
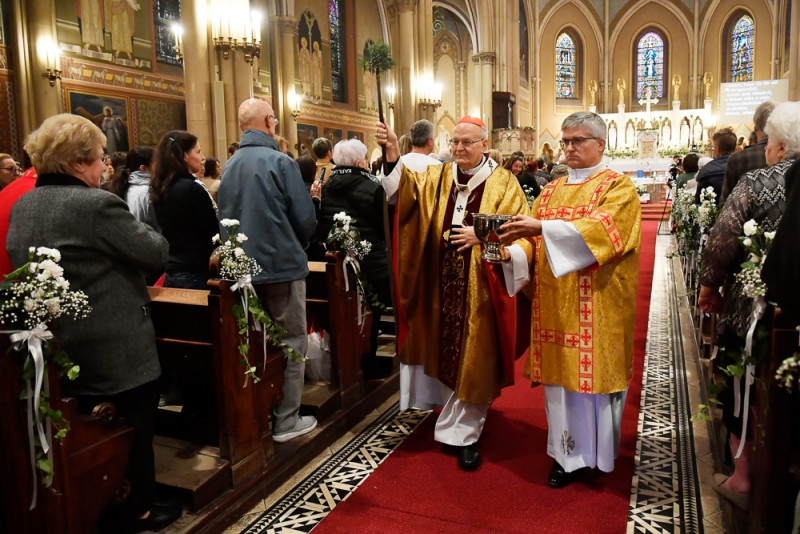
(445, 289)
(587, 230)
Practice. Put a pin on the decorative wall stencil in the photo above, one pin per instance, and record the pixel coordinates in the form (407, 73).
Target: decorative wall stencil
(156, 118)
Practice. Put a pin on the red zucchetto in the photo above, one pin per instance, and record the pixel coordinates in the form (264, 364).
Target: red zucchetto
(472, 120)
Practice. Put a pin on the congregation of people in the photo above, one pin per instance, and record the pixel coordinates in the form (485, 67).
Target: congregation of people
(571, 240)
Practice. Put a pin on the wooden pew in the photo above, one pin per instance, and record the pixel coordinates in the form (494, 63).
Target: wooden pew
(774, 423)
(89, 464)
(197, 338)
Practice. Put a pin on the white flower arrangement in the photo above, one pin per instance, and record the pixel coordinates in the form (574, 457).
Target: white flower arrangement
(756, 243)
(37, 293)
(347, 239)
(529, 196)
(236, 265)
(788, 373)
(31, 297)
(707, 211)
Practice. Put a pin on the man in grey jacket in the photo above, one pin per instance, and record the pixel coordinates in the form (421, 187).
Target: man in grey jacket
(263, 189)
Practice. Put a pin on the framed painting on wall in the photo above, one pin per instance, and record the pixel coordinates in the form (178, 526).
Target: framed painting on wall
(110, 113)
(355, 135)
(334, 134)
(306, 133)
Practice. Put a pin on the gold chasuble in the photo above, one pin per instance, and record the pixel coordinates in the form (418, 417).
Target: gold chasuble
(444, 295)
(582, 323)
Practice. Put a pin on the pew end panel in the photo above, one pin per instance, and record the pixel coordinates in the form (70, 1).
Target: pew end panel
(89, 464)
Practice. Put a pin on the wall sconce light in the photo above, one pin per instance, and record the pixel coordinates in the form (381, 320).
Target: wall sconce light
(177, 31)
(431, 96)
(294, 101)
(391, 91)
(236, 29)
(52, 62)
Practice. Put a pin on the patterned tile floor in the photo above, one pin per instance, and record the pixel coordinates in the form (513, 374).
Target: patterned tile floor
(671, 488)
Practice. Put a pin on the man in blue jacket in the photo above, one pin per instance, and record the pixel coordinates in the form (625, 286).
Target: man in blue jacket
(263, 189)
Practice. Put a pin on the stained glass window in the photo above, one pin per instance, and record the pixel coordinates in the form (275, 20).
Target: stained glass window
(742, 50)
(336, 20)
(565, 67)
(650, 66)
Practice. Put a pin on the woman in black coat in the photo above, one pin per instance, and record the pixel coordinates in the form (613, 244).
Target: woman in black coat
(184, 210)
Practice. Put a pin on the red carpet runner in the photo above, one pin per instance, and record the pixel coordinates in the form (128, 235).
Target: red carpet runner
(420, 489)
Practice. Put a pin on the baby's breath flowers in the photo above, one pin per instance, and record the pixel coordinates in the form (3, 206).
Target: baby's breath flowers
(236, 265)
(756, 243)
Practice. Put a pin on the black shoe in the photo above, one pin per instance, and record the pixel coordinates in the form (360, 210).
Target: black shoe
(558, 478)
(160, 517)
(468, 457)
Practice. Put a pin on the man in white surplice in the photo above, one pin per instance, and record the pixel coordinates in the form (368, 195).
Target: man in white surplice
(587, 231)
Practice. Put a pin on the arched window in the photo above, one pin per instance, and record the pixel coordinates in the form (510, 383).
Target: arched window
(741, 49)
(524, 45)
(338, 63)
(650, 55)
(567, 66)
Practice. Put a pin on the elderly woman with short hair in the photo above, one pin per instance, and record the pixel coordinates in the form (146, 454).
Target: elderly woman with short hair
(104, 251)
(760, 195)
(352, 189)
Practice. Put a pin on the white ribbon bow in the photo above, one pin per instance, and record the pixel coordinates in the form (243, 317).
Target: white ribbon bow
(245, 283)
(356, 268)
(743, 407)
(34, 339)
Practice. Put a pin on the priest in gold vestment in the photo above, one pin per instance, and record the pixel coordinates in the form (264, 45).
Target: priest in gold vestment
(587, 231)
(453, 340)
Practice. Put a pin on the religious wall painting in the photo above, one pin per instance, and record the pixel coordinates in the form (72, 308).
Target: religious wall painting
(369, 85)
(351, 134)
(306, 133)
(110, 113)
(741, 50)
(309, 56)
(156, 118)
(565, 67)
(334, 134)
(524, 60)
(118, 32)
(650, 53)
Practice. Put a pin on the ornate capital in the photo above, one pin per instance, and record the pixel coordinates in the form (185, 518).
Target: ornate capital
(401, 6)
(286, 24)
(485, 58)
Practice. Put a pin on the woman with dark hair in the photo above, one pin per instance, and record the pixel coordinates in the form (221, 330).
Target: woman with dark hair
(184, 210)
(132, 184)
(516, 164)
(211, 174)
(690, 169)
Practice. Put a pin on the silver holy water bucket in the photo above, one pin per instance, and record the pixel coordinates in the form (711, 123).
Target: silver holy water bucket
(487, 231)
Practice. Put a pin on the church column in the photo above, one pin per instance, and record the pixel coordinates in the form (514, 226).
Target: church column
(285, 52)
(463, 83)
(605, 83)
(694, 79)
(794, 53)
(194, 18)
(485, 73)
(406, 105)
(37, 40)
(535, 79)
(229, 95)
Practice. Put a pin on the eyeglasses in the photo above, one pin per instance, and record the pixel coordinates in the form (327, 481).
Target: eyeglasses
(465, 144)
(13, 170)
(576, 142)
(268, 117)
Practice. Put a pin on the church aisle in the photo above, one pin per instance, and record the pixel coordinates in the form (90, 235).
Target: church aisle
(665, 490)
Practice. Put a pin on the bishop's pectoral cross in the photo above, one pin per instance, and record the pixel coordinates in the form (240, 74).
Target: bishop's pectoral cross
(646, 102)
(459, 209)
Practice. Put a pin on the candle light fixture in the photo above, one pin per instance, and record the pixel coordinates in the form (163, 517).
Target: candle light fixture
(52, 62)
